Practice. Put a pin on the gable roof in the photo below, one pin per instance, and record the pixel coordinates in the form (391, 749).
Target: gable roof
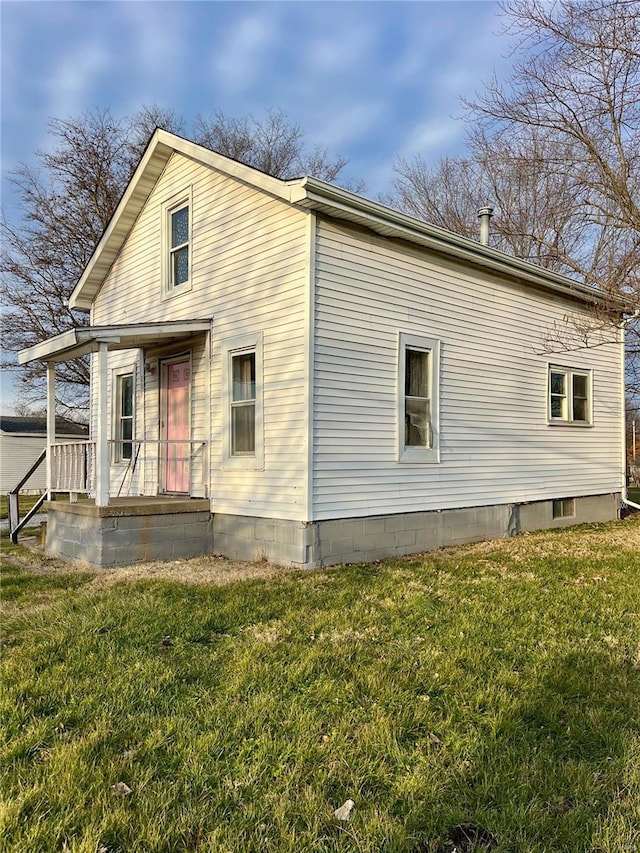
(161, 147)
(38, 426)
(311, 194)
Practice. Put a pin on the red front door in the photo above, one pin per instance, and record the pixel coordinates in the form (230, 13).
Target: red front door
(177, 426)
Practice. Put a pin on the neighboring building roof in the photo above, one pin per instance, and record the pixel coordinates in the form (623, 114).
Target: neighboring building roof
(38, 426)
(313, 194)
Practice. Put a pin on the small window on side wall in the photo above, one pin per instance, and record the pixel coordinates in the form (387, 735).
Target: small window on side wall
(569, 396)
(243, 403)
(243, 391)
(123, 450)
(564, 508)
(418, 396)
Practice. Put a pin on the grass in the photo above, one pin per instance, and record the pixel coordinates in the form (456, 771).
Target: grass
(496, 685)
(26, 502)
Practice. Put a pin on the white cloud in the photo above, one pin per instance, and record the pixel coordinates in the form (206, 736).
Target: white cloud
(433, 138)
(345, 123)
(239, 63)
(156, 37)
(341, 51)
(74, 76)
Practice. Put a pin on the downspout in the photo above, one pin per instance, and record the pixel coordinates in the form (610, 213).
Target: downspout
(625, 495)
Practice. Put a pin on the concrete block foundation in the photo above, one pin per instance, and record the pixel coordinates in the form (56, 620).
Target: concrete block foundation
(355, 540)
(128, 531)
(140, 529)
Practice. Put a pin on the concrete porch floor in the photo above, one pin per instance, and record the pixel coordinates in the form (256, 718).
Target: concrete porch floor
(136, 505)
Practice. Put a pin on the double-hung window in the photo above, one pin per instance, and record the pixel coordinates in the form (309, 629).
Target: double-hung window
(243, 403)
(179, 249)
(418, 395)
(123, 450)
(243, 441)
(177, 244)
(569, 396)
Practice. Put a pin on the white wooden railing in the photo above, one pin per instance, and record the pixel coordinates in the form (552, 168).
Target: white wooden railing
(74, 464)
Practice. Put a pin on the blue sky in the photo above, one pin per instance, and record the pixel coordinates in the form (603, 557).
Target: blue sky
(370, 80)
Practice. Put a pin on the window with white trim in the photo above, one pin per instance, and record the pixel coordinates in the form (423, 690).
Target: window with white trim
(124, 403)
(177, 244)
(243, 403)
(418, 399)
(569, 396)
(242, 390)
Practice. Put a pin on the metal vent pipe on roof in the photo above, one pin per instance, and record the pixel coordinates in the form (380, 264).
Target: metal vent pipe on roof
(484, 215)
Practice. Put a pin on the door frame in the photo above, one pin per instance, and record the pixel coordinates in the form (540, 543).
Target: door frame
(163, 370)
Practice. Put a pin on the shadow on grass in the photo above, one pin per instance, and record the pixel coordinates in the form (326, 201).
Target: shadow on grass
(555, 774)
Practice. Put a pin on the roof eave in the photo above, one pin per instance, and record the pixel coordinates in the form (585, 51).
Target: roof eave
(315, 194)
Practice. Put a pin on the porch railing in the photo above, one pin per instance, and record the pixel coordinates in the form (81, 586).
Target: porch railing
(13, 504)
(74, 464)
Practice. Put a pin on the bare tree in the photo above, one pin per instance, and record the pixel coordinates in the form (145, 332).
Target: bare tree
(274, 145)
(70, 197)
(534, 204)
(140, 126)
(556, 150)
(447, 195)
(577, 87)
(67, 203)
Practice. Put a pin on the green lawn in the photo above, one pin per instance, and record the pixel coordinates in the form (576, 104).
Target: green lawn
(495, 685)
(26, 502)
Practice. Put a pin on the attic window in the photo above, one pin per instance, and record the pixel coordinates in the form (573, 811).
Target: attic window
(177, 244)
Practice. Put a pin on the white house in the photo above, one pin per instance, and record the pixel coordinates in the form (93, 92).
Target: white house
(22, 440)
(285, 369)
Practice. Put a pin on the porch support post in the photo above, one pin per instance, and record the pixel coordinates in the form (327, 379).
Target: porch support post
(51, 424)
(102, 441)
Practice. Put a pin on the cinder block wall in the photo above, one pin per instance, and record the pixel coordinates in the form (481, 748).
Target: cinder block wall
(115, 536)
(120, 538)
(241, 537)
(354, 540)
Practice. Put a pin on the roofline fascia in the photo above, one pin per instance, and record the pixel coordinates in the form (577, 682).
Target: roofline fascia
(312, 191)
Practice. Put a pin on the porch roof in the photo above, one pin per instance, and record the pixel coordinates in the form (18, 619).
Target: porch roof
(78, 342)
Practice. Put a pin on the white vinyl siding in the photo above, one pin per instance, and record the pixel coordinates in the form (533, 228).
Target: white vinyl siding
(496, 444)
(249, 273)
